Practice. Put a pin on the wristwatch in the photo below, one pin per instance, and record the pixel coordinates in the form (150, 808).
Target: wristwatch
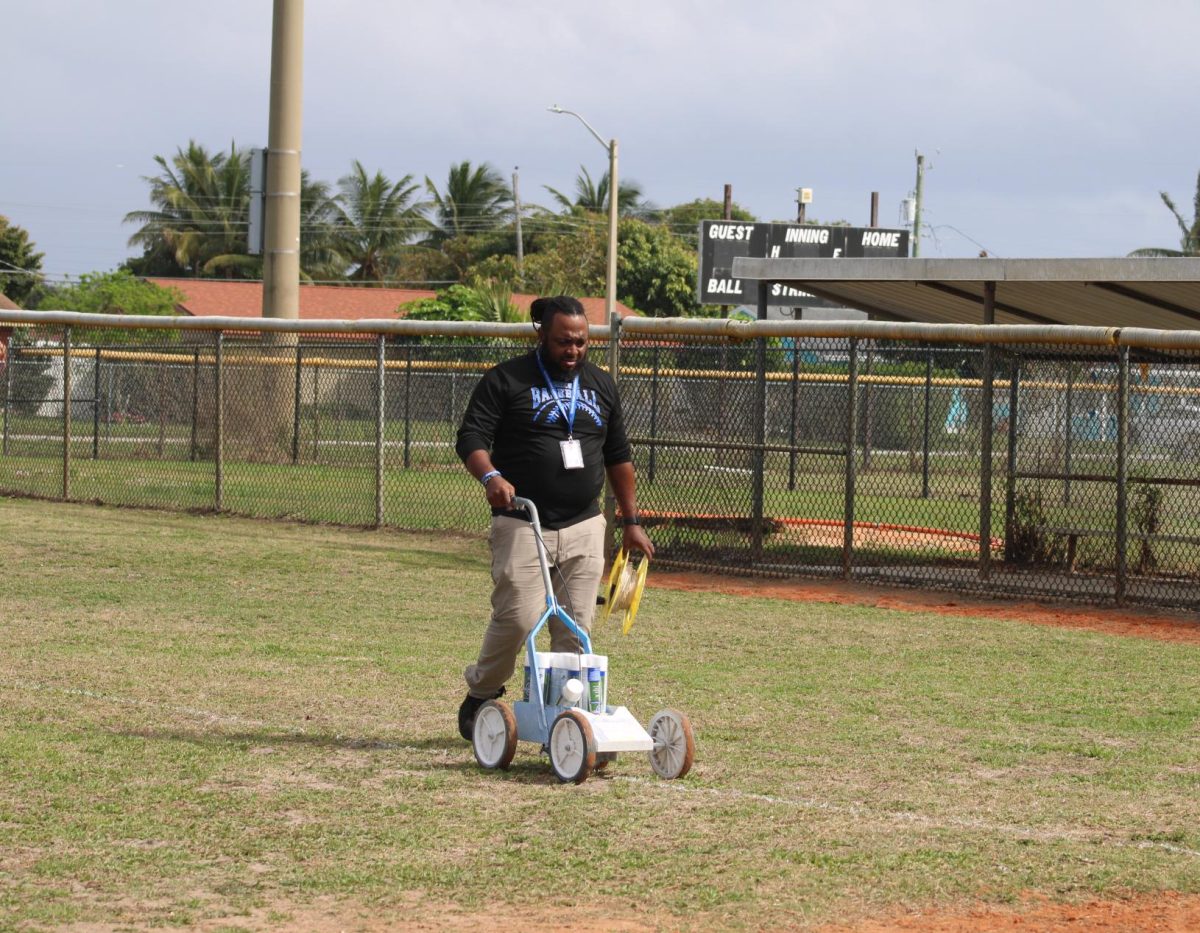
(631, 520)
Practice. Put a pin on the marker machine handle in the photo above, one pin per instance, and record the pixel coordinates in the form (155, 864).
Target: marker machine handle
(520, 502)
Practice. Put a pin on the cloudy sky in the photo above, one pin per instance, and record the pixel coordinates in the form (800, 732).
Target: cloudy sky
(1050, 126)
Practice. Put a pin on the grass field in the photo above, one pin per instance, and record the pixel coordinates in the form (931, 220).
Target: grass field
(207, 720)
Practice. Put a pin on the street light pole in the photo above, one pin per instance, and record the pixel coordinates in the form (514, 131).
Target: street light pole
(610, 291)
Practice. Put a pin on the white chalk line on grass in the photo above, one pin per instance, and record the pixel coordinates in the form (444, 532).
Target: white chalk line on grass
(731, 794)
(209, 716)
(915, 819)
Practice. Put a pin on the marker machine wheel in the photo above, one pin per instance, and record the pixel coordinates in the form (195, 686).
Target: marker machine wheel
(572, 747)
(495, 735)
(674, 745)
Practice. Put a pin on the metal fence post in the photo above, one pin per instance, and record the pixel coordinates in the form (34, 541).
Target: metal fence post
(162, 410)
(96, 406)
(296, 406)
(614, 370)
(408, 365)
(1122, 473)
(722, 398)
(66, 478)
(925, 436)
(380, 401)
(1010, 477)
(1069, 434)
(759, 463)
(851, 473)
(985, 468)
(868, 409)
(195, 402)
(792, 427)
(653, 418)
(8, 365)
(316, 411)
(219, 423)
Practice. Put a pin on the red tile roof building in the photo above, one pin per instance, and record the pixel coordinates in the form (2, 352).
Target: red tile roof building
(227, 298)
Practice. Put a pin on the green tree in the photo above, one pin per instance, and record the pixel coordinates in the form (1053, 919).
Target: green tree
(474, 201)
(484, 300)
(372, 220)
(1189, 241)
(318, 257)
(593, 196)
(684, 219)
(656, 272)
(119, 292)
(560, 259)
(20, 264)
(201, 215)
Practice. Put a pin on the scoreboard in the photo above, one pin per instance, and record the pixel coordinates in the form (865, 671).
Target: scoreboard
(723, 240)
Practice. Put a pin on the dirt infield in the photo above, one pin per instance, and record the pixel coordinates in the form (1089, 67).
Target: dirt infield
(1162, 912)
(870, 535)
(1165, 912)
(1160, 625)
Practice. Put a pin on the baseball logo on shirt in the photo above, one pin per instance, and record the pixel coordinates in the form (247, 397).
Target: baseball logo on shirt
(548, 411)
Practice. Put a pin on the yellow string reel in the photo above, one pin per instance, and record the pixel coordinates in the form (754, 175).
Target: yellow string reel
(626, 581)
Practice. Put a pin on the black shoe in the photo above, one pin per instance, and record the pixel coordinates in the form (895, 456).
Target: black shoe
(466, 714)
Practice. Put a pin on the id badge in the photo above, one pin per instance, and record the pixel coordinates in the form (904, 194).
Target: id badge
(572, 454)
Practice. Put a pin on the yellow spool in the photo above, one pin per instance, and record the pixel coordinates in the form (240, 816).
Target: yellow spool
(626, 581)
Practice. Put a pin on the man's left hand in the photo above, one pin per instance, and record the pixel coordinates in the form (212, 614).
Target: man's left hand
(636, 539)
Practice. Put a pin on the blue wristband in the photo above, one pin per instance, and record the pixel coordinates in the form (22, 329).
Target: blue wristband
(488, 476)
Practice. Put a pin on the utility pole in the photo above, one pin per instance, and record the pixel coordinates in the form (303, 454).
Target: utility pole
(520, 242)
(610, 288)
(281, 261)
(916, 231)
(803, 196)
(727, 214)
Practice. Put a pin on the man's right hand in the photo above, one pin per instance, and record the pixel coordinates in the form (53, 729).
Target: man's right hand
(500, 493)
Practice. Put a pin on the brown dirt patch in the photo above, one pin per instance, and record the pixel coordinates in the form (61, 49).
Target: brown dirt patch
(1162, 912)
(1160, 625)
(882, 537)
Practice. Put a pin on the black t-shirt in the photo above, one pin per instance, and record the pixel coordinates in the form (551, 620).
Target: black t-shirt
(513, 415)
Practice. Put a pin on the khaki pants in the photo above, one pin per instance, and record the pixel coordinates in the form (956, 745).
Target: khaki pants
(576, 556)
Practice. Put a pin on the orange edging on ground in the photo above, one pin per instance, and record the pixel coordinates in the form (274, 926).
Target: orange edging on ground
(1161, 912)
(1160, 625)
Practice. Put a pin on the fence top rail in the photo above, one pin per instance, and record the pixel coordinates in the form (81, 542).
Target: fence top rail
(878, 330)
(284, 325)
(728, 329)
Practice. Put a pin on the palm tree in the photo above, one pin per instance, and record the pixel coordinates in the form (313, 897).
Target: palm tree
(1189, 242)
(318, 257)
(593, 196)
(494, 302)
(474, 201)
(202, 208)
(372, 219)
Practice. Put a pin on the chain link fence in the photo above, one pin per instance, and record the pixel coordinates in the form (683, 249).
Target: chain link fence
(1066, 468)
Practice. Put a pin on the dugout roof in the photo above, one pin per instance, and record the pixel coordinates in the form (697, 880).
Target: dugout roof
(1155, 293)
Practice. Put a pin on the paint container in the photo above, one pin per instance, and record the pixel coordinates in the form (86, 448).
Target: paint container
(596, 690)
